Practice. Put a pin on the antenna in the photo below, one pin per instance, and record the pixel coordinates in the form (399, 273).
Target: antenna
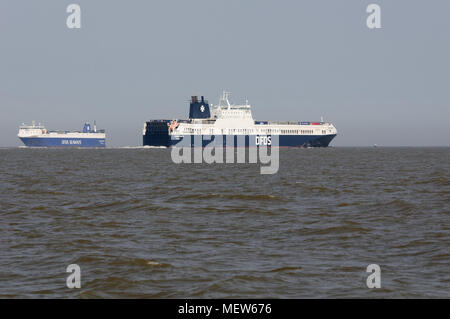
(223, 101)
(225, 96)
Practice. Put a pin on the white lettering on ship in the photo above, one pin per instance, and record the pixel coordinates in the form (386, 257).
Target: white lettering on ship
(263, 140)
(71, 142)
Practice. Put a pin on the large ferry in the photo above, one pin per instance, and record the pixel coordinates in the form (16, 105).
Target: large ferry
(228, 124)
(37, 136)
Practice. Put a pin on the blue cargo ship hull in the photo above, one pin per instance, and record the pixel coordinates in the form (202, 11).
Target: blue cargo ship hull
(238, 140)
(63, 142)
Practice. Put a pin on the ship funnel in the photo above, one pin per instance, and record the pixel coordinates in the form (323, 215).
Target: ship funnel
(199, 109)
(87, 128)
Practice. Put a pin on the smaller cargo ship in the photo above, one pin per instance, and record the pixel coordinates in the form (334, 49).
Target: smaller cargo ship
(37, 136)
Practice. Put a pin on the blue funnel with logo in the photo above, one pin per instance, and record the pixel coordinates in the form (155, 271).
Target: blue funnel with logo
(87, 128)
(199, 109)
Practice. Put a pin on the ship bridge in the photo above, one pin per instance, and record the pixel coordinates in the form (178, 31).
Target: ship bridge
(232, 115)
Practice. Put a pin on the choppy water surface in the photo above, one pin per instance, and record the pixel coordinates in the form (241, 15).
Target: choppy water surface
(139, 225)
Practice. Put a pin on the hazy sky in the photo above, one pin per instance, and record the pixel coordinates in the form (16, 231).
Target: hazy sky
(294, 60)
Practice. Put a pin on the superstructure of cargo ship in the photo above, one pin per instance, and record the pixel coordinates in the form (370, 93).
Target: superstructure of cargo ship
(38, 136)
(233, 125)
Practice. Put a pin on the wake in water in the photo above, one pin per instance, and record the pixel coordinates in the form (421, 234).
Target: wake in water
(136, 147)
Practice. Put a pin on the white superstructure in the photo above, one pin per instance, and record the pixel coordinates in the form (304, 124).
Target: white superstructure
(234, 119)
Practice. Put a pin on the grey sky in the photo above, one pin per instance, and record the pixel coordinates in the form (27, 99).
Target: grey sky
(136, 60)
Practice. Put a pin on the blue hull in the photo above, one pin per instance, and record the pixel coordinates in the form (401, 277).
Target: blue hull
(234, 140)
(63, 142)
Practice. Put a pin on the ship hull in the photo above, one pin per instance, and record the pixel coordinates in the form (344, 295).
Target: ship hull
(64, 142)
(237, 140)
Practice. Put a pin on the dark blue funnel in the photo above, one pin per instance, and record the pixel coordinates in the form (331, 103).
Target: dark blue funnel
(199, 109)
(87, 128)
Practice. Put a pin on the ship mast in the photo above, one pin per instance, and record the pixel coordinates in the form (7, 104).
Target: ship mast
(225, 100)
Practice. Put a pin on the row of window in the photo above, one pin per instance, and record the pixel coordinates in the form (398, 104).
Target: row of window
(297, 131)
(211, 131)
(191, 130)
(251, 131)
